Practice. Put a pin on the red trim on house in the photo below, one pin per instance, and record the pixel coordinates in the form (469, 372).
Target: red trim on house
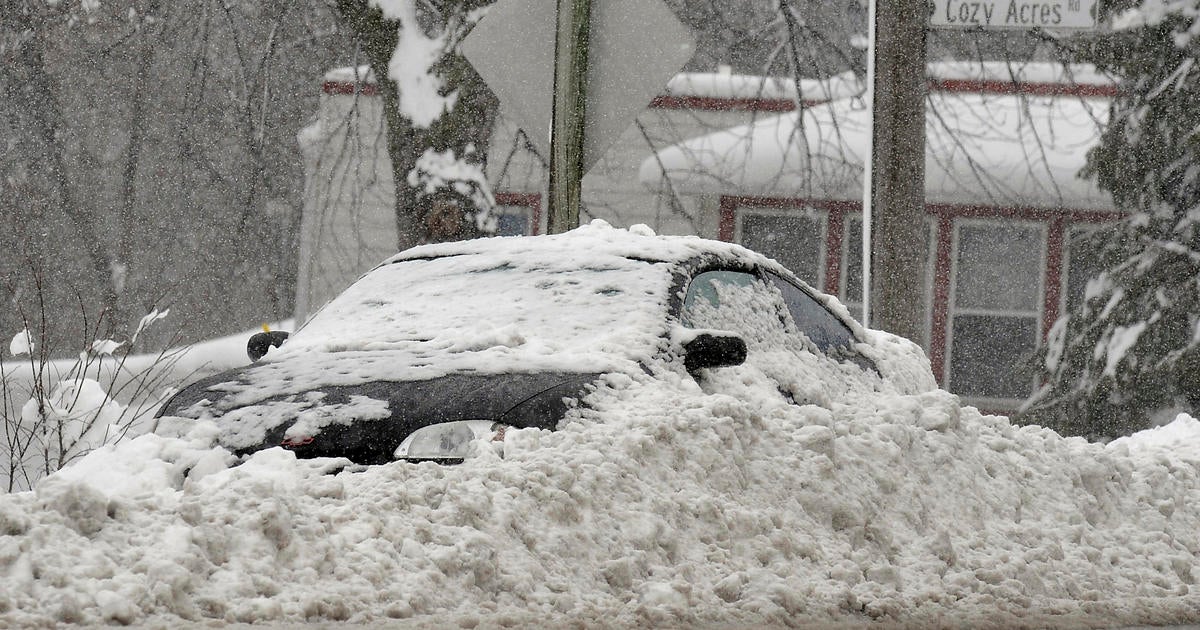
(729, 206)
(833, 251)
(1054, 268)
(532, 200)
(349, 87)
(780, 105)
(941, 298)
(986, 86)
(733, 202)
(1022, 213)
(723, 104)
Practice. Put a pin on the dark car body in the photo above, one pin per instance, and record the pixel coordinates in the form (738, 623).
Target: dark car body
(513, 332)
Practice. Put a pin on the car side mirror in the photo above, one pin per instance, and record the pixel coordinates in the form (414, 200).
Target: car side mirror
(707, 350)
(261, 342)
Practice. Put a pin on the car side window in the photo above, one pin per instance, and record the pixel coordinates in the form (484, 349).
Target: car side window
(812, 319)
(736, 301)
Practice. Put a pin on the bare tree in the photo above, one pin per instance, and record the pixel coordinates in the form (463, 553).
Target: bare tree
(154, 145)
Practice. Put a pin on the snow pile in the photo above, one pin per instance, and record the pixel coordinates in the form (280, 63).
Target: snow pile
(657, 504)
(95, 398)
(22, 343)
(662, 500)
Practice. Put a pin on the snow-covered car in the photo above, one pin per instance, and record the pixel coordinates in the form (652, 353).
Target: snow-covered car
(446, 344)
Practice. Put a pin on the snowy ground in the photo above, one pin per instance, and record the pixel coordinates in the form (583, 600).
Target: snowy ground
(655, 506)
(93, 399)
(656, 503)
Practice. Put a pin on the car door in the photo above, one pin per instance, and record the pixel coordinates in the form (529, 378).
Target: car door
(795, 349)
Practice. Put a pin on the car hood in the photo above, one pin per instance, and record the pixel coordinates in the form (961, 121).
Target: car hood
(366, 419)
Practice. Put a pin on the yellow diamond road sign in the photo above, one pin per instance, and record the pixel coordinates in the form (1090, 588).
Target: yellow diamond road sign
(636, 46)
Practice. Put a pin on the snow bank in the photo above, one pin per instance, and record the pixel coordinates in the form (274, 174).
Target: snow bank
(656, 505)
(96, 398)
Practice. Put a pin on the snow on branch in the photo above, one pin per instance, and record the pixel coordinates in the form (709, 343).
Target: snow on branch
(412, 65)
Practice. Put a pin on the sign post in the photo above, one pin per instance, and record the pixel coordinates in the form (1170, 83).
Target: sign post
(573, 74)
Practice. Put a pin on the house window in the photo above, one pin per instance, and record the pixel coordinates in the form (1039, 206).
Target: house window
(850, 290)
(1083, 264)
(512, 220)
(517, 214)
(795, 238)
(995, 308)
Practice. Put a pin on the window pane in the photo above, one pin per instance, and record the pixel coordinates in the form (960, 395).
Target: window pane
(813, 320)
(704, 293)
(1083, 264)
(737, 302)
(792, 239)
(512, 221)
(989, 353)
(999, 267)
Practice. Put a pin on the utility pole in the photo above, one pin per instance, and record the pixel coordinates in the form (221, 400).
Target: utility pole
(570, 103)
(897, 196)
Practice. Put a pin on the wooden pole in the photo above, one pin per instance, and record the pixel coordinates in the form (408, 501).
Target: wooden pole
(898, 195)
(570, 103)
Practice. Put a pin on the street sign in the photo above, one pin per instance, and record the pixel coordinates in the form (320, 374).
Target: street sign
(1014, 14)
(636, 46)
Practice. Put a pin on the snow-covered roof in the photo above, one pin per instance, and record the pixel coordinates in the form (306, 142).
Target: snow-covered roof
(729, 86)
(1028, 72)
(351, 74)
(981, 149)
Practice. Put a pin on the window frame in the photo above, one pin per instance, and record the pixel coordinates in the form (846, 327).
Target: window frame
(953, 310)
(691, 272)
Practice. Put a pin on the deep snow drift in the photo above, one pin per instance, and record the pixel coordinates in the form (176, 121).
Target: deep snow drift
(656, 505)
(662, 500)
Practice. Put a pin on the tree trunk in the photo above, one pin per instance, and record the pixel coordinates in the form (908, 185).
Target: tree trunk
(469, 123)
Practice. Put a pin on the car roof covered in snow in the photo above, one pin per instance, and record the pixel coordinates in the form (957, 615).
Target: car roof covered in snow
(587, 242)
(592, 242)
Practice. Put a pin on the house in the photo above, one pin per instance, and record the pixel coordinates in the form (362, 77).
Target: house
(778, 167)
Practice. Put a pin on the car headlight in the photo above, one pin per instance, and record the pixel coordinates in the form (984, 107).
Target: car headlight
(449, 440)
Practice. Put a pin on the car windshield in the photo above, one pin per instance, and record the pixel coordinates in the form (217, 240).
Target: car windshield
(475, 302)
